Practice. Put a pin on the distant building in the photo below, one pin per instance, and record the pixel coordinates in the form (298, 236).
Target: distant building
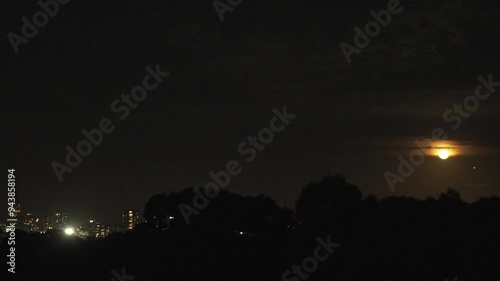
(37, 225)
(61, 220)
(19, 216)
(93, 229)
(88, 229)
(64, 219)
(130, 219)
(101, 230)
(28, 223)
(17, 210)
(45, 224)
(58, 221)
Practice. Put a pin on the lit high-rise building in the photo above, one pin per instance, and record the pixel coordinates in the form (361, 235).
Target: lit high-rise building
(58, 221)
(93, 229)
(37, 225)
(101, 230)
(28, 222)
(17, 210)
(130, 219)
(45, 224)
(20, 216)
(61, 220)
(64, 219)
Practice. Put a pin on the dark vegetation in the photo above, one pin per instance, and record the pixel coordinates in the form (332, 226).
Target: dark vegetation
(251, 238)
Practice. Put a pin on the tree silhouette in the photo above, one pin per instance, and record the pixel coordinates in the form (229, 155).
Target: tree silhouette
(331, 197)
(228, 211)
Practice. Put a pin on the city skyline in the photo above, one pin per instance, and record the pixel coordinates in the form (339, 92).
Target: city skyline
(34, 222)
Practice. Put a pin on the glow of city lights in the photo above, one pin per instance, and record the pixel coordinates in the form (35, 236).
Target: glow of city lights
(69, 231)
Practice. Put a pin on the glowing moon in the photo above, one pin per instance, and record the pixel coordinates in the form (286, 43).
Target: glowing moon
(444, 154)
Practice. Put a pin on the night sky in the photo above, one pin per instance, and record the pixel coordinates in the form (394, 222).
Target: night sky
(225, 79)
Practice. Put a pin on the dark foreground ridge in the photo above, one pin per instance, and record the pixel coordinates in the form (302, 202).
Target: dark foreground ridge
(333, 234)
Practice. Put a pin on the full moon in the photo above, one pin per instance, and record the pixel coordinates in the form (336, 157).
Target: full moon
(444, 154)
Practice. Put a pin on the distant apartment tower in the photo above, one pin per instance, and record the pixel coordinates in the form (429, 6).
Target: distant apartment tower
(28, 222)
(19, 216)
(61, 220)
(17, 210)
(101, 230)
(45, 224)
(58, 221)
(87, 229)
(94, 229)
(130, 219)
(64, 219)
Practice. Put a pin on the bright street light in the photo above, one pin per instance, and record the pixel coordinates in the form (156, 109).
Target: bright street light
(69, 231)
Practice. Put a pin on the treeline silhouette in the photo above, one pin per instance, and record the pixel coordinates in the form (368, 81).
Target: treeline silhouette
(250, 238)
